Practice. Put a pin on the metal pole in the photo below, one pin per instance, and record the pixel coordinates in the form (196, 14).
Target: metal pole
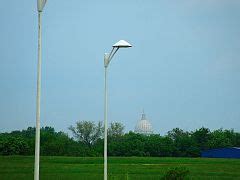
(37, 140)
(105, 124)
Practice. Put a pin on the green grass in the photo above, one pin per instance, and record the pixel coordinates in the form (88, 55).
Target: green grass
(120, 168)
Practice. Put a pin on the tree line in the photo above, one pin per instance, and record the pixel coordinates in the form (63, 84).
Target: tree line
(88, 140)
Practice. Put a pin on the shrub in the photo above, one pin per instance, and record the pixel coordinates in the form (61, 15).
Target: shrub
(177, 173)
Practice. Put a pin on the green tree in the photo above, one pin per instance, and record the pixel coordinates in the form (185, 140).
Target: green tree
(157, 145)
(220, 139)
(87, 132)
(115, 129)
(130, 144)
(184, 144)
(176, 133)
(10, 145)
(202, 137)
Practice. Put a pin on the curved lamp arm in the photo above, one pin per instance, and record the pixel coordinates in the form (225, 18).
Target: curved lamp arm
(108, 56)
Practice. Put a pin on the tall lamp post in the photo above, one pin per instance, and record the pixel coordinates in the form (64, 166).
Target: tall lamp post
(40, 6)
(107, 58)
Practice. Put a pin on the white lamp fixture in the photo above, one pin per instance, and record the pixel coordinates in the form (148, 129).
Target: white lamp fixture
(107, 59)
(122, 44)
(40, 5)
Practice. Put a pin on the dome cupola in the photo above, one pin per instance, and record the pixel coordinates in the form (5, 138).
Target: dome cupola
(143, 126)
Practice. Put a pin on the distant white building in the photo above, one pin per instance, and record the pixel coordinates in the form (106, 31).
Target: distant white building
(143, 126)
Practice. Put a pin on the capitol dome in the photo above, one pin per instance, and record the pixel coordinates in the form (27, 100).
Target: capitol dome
(143, 126)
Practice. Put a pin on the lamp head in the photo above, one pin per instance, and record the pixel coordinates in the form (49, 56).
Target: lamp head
(40, 5)
(122, 44)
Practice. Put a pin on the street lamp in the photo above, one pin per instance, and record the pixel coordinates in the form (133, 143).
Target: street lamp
(40, 6)
(107, 58)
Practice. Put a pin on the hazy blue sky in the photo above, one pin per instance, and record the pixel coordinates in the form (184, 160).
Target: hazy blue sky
(184, 68)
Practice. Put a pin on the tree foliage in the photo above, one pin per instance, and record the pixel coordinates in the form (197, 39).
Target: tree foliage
(88, 141)
(87, 132)
(115, 129)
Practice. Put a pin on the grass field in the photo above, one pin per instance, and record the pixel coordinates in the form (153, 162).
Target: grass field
(21, 167)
